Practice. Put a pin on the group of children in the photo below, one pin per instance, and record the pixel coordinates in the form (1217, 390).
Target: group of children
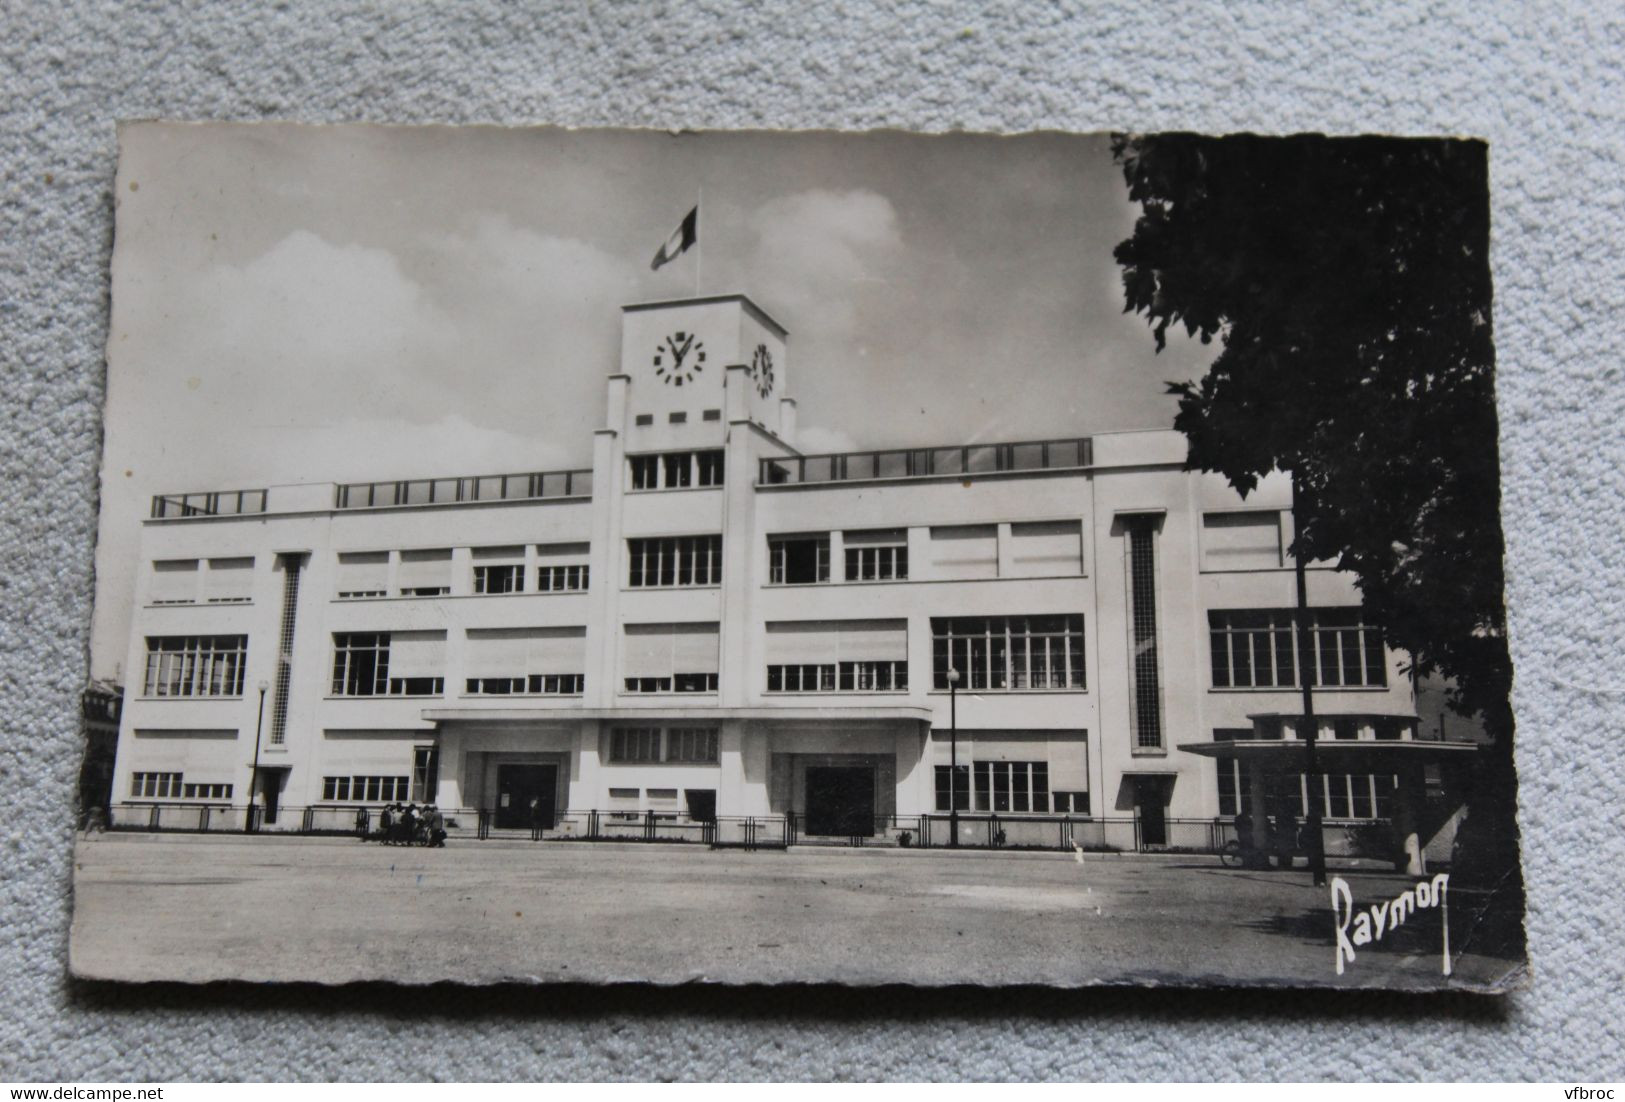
(405, 825)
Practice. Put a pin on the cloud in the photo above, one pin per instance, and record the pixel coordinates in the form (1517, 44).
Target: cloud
(817, 250)
(821, 440)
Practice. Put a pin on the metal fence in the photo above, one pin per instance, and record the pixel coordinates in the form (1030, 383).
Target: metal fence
(972, 459)
(976, 830)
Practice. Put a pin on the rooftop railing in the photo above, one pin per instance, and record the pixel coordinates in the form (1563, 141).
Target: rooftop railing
(970, 459)
(446, 491)
(224, 503)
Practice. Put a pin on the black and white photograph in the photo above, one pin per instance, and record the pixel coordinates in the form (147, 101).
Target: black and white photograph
(532, 555)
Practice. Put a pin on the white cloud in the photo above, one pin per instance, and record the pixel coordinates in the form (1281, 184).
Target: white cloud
(821, 440)
(817, 250)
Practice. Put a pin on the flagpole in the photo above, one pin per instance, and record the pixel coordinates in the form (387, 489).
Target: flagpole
(699, 242)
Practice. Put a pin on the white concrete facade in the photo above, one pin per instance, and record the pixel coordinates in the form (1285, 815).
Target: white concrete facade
(988, 539)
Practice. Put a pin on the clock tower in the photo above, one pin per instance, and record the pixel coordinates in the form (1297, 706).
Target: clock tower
(693, 365)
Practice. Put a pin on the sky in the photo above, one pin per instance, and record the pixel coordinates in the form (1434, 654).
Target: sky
(319, 304)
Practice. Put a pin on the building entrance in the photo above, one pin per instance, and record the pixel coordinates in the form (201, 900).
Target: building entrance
(518, 786)
(840, 800)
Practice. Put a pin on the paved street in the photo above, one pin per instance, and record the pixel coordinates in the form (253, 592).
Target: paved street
(195, 908)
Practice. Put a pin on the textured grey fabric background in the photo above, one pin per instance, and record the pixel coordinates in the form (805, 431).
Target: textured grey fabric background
(1543, 86)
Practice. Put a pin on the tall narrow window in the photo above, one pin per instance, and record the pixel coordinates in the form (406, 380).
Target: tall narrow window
(425, 774)
(292, 566)
(1146, 670)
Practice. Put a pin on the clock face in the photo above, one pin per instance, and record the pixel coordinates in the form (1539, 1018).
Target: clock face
(679, 358)
(761, 369)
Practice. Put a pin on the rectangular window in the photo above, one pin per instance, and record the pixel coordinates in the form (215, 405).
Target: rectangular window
(174, 582)
(499, 579)
(644, 419)
(561, 579)
(405, 663)
(1258, 649)
(1249, 540)
(674, 561)
(1140, 549)
(677, 470)
(1046, 548)
(711, 415)
(363, 574)
(424, 573)
(876, 556)
(664, 658)
(708, 468)
(1012, 786)
(499, 569)
(366, 789)
(1070, 803)
(798, 560)
(837, 656)
(965, 551)
(561, 567)
(504, 661)
(1235, 789)
(1008, 653)
(360, 664)
(634, 744)
(960, 785)
(645, 471)
(425, 774)
(195, 665)
(155, 786)
(190, 791)
(691, 745)
(229, 581)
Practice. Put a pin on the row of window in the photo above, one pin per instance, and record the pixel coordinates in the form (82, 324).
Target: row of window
(170, 786)
(1005, 786)
(1259, 649)
(1253, 649)
(1230, 541)
(1341, 795)
(676, 470)
(427, 573)
(838, 677)
(671, 745)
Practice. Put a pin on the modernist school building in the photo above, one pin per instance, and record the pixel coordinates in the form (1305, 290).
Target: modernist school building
(709, 622)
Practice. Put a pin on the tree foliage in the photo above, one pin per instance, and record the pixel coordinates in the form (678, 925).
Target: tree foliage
(1347, 284)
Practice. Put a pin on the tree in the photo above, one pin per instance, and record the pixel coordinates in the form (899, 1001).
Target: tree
(1347, 283)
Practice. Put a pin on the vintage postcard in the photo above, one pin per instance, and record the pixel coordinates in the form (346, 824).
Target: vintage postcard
(542, 555)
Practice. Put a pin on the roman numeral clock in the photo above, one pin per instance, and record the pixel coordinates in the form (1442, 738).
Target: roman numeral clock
(679, 358)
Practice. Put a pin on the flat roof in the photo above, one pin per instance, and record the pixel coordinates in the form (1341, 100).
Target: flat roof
(1337, 755)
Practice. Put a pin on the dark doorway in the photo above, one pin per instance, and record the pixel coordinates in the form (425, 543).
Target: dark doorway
(841, 800)
(518, 786)
(702, 804)
(271, 791)
(1150, 797)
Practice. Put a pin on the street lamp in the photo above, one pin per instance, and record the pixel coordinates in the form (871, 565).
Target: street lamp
(254, 775)
(953, 757)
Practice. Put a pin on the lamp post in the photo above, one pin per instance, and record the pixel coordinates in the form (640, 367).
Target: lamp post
(953, 757)
(254, 774)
